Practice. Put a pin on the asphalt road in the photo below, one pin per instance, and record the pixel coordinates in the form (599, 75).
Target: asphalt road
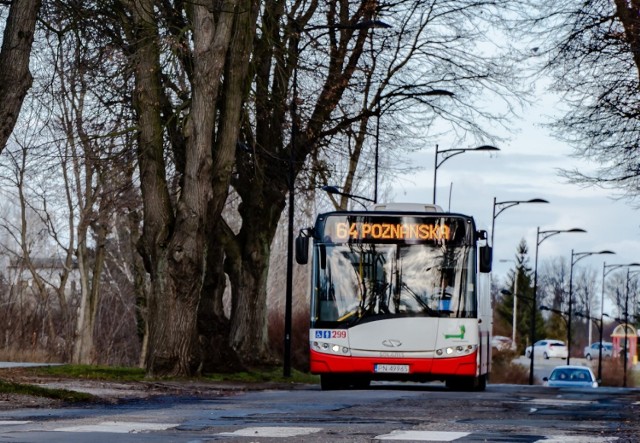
(405, 412)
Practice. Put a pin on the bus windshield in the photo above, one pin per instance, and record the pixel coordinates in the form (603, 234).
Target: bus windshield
(366, 278)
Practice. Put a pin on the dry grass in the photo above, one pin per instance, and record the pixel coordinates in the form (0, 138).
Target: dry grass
(27, 355)
(613, 373)
(503, 370)
(299, 337)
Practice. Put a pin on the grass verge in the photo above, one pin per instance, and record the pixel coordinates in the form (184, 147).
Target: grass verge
(38, 391)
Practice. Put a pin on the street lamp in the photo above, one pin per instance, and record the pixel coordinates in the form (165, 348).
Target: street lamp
(293, 112)
(576, 257)
(606, 269)
(540, 237)
(447, 154)
(357, 198)
(501, 206)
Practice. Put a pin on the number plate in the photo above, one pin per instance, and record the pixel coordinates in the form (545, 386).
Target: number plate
(392, 369)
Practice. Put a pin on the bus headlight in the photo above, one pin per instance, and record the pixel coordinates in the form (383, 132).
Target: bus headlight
(452, 351)
(330, 348)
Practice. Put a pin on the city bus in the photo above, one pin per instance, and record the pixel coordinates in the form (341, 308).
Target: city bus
(401, 292)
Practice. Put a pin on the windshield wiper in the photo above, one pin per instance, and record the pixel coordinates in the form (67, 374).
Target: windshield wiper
(425, 307)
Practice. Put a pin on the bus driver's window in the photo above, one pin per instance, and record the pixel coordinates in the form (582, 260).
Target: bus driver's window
(445, 292)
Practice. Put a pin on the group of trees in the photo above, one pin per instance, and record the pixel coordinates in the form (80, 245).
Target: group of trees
(155, 150)
(154, 153)
(620, 296)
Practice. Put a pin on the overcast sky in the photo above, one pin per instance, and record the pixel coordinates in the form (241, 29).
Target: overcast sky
(527, 167)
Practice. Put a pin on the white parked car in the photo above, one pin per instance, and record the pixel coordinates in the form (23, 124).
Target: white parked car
(548, 348)
(501, 343)
(591, 352)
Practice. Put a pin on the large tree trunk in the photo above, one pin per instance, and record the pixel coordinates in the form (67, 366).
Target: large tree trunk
(214, 327)
(260, 212)
(158, 212)
(175, 245)
(15, 78)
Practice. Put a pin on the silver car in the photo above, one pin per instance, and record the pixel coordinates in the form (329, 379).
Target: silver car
(570, 376)
(591, 352)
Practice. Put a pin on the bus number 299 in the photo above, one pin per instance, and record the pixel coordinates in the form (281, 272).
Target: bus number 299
(340, 333)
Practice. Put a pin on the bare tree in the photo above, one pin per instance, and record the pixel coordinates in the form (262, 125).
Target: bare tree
(216, 110)
(33, 252)
(432, 70)
(553, 291)
(590, 50)
(585, 296)
(177, 227)
(319, 82)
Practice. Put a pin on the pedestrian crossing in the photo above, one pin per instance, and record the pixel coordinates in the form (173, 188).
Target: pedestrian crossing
(119, 427)
(300, 432)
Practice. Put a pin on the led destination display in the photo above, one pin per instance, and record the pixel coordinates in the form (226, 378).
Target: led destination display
(391, 231)
(338, 228)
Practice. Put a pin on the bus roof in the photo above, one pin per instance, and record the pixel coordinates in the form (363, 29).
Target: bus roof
(407, 207)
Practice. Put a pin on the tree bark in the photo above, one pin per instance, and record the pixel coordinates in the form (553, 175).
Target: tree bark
(174, 237)
(15, 77)
(628, 11)
(214, 327)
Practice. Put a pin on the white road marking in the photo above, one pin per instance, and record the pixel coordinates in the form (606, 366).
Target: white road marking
(422, 435)
(577, 439)
(271, 432)
(560, 401)
(119, 427)
(13, 422)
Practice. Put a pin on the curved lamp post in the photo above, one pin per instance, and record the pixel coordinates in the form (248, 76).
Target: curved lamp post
(447, 154)
(357, 198)
(499, 207)
(563, 315)
(540, 237)
(576, 257)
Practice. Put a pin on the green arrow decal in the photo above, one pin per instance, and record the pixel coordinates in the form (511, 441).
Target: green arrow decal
(460, 335)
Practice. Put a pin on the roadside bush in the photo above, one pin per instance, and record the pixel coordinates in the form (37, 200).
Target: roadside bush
(613, 373)
(504, 370)
(299, 337)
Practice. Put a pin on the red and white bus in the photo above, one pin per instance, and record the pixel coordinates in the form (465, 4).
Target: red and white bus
(401, 292)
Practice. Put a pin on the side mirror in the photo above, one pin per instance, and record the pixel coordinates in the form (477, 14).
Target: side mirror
(302, 250)
(486, 258)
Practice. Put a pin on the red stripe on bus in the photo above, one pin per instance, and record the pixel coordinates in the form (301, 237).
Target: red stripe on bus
(326, 363)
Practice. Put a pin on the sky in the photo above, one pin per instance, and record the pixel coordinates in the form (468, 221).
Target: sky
(526, 167)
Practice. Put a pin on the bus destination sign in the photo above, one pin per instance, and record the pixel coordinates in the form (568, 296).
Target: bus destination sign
(378, 230)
